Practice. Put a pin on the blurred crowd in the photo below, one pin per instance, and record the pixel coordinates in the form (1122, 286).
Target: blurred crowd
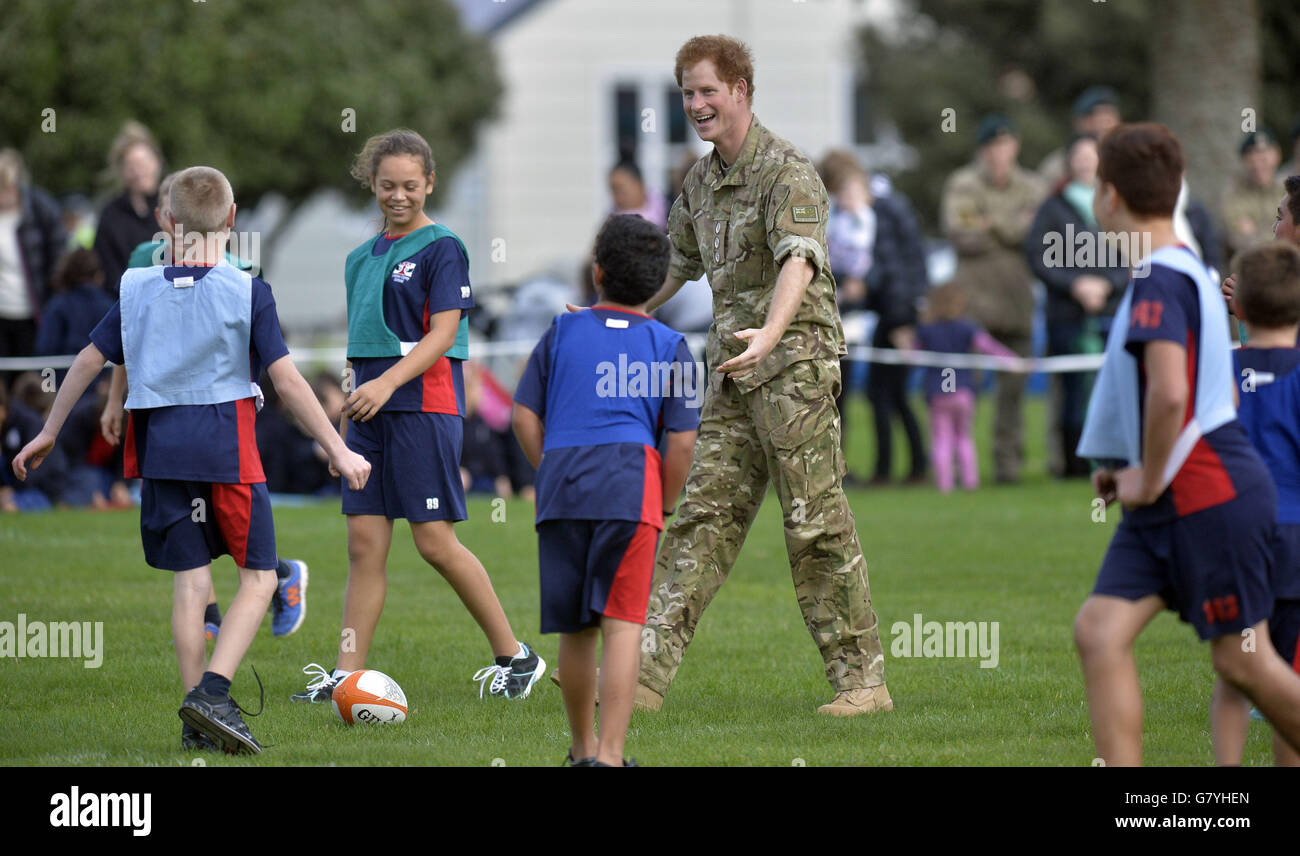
(61, 261)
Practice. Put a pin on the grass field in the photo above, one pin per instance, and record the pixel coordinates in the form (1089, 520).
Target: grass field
(746, 694)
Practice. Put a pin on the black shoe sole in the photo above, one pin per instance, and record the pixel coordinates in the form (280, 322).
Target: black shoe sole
(298, 698)
(225, 737)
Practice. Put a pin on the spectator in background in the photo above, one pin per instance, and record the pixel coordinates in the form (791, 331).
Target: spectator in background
(627, 190)
(79, 303)
(986, 212)
(895, 283)
(22, 415)
(1082, 292)
(491, 460)
(1096, 111)
(949, 392)
(78, 218)
(128, 220)
(1250, 203)
(31, 241)
(295, 463)
(1286, 227)
(870, 244)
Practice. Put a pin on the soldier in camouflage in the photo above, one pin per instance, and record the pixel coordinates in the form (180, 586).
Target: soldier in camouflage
(987, 209)
(1250, 202)
(752, 217)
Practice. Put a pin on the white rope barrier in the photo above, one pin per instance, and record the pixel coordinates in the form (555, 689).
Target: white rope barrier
(487, 350)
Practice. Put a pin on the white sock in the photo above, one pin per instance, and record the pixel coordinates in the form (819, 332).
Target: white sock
(339, 674)
(521, 651)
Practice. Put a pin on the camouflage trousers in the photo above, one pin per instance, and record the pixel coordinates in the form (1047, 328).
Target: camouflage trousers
(786, 431)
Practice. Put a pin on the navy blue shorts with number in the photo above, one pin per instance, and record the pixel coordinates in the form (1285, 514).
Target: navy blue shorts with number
(591, 568)
(187, 524)
(1211, 567)
(414, 466)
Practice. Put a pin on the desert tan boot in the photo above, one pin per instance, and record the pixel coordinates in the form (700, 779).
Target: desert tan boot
(647, 699)
(853, 702)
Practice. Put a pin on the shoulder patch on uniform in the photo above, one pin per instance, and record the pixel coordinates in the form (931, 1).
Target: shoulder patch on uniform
(805, 214)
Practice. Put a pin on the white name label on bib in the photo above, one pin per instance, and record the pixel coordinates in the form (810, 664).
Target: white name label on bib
(618, 323)
(183, 282)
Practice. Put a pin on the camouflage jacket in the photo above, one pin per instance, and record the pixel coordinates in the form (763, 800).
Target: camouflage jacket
(987, 226)
(738, 226)
(1249, 211)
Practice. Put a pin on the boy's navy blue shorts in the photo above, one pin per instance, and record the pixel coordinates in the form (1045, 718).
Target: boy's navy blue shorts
(1211, 567)
(414, 466)
(1284, 630)
(180, 534)
(591, 568)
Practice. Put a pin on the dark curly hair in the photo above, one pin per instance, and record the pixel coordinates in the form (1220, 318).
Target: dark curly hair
(633, 253)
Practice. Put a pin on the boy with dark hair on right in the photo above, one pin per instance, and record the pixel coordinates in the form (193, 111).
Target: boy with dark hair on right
(599, 390)
(1200, 509)
(1267, 301)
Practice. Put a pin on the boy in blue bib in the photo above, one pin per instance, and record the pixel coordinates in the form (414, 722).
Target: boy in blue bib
(1199, 508)
(192, 336)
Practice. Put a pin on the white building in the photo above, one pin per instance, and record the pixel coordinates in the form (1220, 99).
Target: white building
(586, 77)
(581, 78)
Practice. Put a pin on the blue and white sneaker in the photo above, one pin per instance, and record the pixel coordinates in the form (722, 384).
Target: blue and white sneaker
(289, 603)
(514, 680)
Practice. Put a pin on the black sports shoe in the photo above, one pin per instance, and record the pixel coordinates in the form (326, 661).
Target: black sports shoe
(515, 680)
(570, 761)
(321, 688)
(218, 718)
(194, 740)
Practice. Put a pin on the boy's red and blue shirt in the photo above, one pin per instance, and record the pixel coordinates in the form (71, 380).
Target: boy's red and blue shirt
(1223, 464)
(435, 279)
(204, 443)
(588, 380)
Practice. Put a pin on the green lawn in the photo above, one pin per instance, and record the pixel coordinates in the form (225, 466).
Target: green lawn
(746, 694)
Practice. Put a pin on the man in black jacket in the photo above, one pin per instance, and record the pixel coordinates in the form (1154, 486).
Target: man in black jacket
(1082, 291)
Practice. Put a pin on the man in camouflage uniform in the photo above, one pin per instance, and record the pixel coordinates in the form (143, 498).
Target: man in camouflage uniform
(987, 209)
(1250, 202)
(752, 217)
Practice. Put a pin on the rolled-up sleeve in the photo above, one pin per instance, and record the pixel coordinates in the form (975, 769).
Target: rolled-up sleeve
(685, 263)
(796, 216)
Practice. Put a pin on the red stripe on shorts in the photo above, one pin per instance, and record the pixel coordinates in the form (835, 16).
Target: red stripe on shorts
(652, 490)
(250, 462)
(130, 462)
(233, 507)
(629, 592)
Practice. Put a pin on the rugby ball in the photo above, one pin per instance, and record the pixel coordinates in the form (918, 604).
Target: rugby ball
(369, 696)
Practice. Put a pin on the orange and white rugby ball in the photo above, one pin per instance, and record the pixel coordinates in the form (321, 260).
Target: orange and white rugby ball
(369, 696)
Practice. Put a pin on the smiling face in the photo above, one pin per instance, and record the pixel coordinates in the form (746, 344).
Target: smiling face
(400, 186)
(719, 113)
